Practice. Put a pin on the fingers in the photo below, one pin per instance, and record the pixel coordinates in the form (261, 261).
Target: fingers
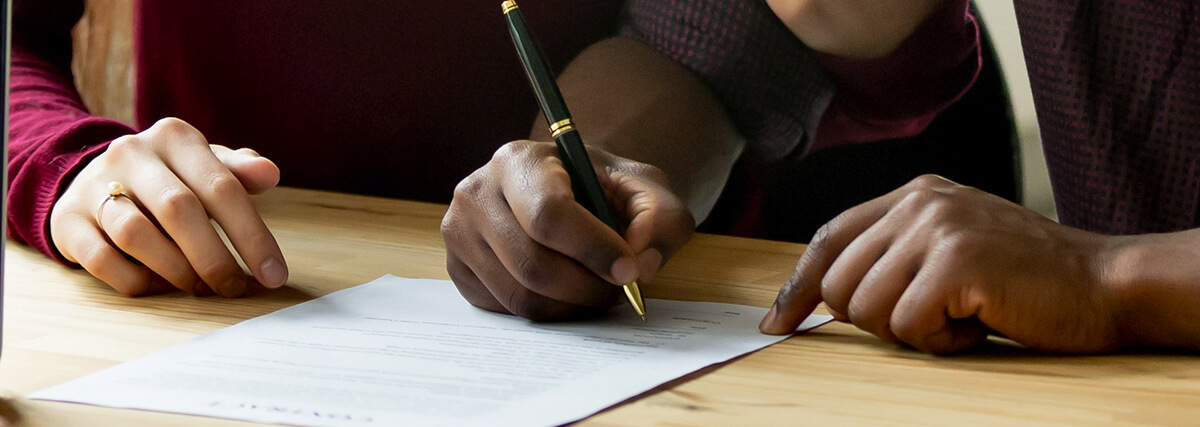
(226, 200)
(519, 300)
(659, 222)
(127, 228)
(92, 251)
(801, 293)
(175, 181)
(256, 173)
(538, 192)
(515, 230)
(921, 316)
(875, 297)
(469, 285)
(847, 271)
(183, 217)
(540, 269)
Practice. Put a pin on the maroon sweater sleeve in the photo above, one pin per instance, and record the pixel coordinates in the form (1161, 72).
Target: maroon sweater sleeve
(51, 134)
(898, 95)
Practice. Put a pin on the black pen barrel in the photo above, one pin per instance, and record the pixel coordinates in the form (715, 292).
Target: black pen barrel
(541, 76)
(584, 182)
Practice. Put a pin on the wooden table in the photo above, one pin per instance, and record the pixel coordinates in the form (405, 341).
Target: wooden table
(62, 324)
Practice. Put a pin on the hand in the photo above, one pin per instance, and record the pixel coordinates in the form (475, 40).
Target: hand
(937, 266)
(517, 242)
(161, 236)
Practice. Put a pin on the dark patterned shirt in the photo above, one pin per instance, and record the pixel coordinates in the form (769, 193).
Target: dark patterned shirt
(1117, 88)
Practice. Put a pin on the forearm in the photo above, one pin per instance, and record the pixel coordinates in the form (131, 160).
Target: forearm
(1156, 281)
(628, 100)
(51, 134)
(856, 29)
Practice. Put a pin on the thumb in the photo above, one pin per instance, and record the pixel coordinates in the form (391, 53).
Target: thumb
(659, 222)
(257, 173)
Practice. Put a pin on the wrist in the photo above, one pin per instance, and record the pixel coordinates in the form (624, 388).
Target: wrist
(1154, 284)
(1115, 272)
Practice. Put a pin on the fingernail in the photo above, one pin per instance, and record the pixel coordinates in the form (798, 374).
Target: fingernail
(274, 274)
(648, 263)
(625, 270)
(768, 321)
(233, 287)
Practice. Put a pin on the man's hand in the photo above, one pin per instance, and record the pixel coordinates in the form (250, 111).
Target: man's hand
(517, 242)
(938, 266)
(160, 236)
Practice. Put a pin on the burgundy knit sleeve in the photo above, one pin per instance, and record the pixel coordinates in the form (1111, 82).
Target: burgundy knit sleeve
(773, 88)
(51, 133)
(898, 95)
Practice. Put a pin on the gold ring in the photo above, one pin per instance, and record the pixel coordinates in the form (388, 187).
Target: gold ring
(508, 6)
(115, 189)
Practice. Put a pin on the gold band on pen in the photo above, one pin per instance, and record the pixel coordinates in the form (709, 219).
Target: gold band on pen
(561, 127)
(508, 6)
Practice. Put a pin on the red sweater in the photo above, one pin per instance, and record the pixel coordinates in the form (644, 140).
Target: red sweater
(404, 99)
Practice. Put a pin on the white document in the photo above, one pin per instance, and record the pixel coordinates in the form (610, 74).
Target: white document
(411, 352)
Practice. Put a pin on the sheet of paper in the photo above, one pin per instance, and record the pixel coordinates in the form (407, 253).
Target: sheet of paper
(411, 352)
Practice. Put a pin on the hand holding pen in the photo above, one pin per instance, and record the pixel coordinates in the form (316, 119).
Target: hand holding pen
(518, 242)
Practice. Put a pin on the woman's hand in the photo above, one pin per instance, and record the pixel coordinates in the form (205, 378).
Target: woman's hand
(517, 242)
(160, 235)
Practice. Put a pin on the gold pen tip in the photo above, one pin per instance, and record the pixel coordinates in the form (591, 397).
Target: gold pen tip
(643, 318)
(635, 299)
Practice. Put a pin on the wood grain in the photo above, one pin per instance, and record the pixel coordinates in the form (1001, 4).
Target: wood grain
(61, 324)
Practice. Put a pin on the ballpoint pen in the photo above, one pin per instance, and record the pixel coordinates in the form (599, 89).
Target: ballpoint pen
(570, 146)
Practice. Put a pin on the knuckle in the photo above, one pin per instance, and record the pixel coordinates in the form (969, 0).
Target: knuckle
(176, 205)
(469, 187)
(92, 256)
(545, 214)
(215, 272)
(517, 301)
(128, 231)
(833, 294)
(512, 149)
(866, 317)
(956, 241)
(532, 272)
(124, 146)
(449, 226)
(823, 237)
(907, 332)
(173, 125)
(920, 198)
(225, 185)
(790, 288)
(929, 181)
(961, 244)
